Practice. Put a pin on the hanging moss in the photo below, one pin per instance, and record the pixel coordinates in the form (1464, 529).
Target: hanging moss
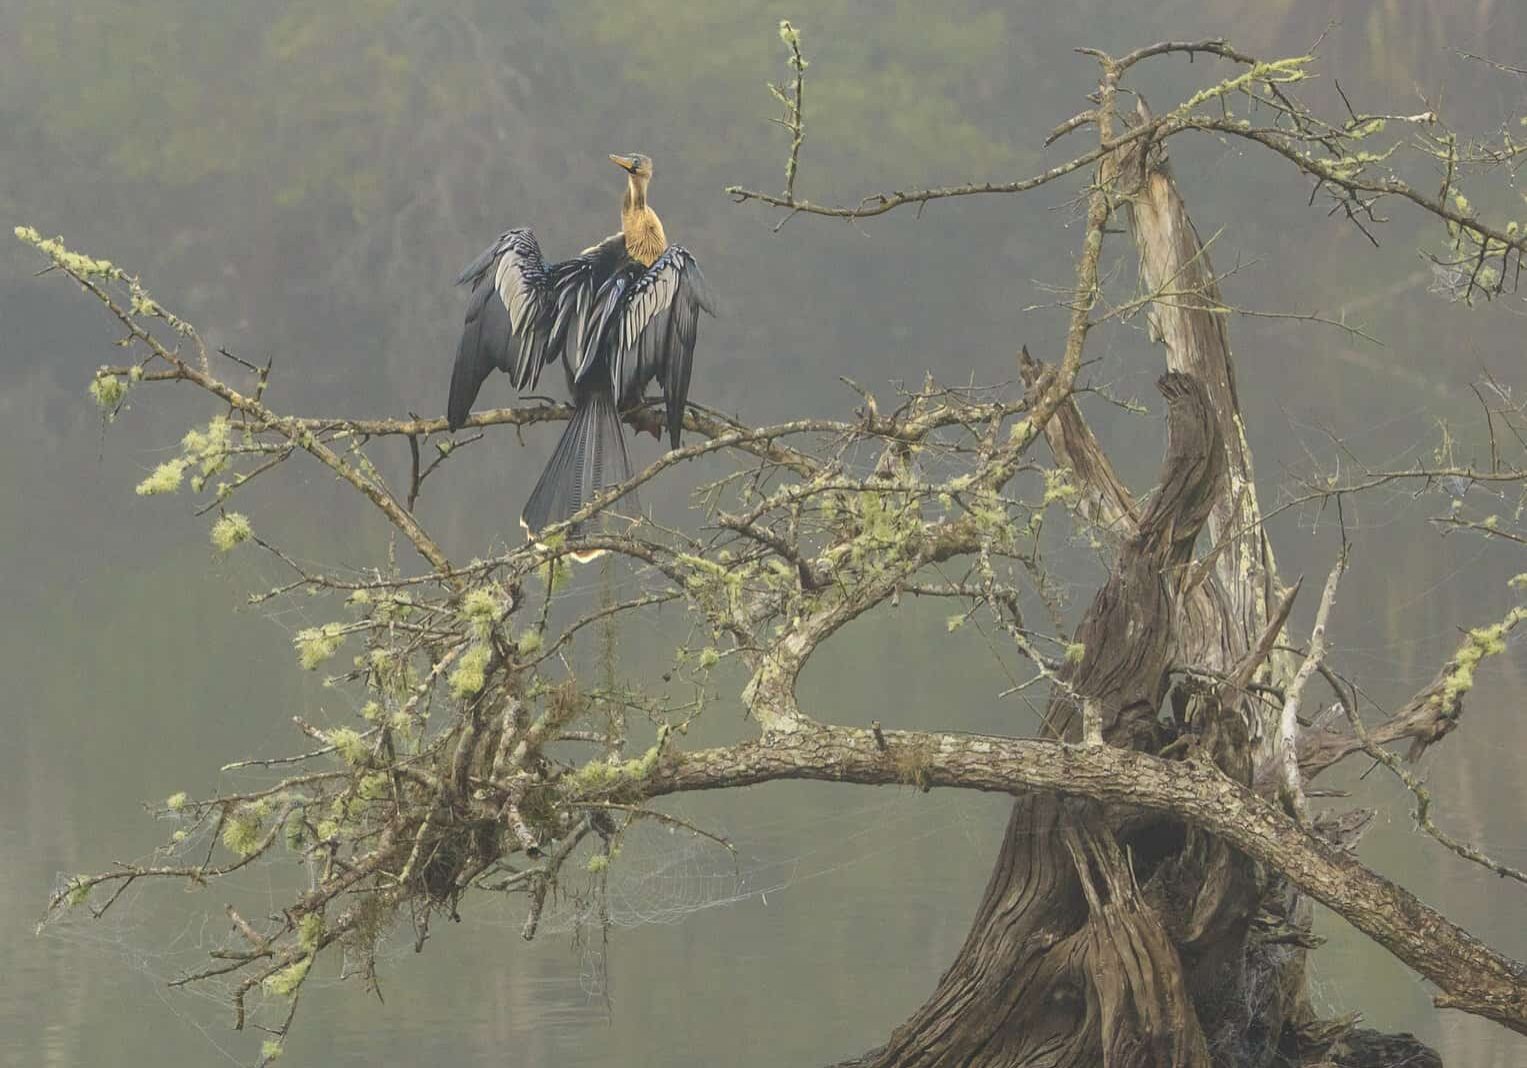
(350, 745)
(166, 478)
(241, 831)
(471, 673)
(231, 529)
(285, 982)
(315, 645)
(108, 391)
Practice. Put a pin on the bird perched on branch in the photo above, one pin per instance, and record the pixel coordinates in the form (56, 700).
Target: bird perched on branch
(619, 315)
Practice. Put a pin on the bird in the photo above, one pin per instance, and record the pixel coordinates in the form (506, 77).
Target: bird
(618, 315)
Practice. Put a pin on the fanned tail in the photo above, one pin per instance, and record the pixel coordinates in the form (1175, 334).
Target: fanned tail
(589, 458)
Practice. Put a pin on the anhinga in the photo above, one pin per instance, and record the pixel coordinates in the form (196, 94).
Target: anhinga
(618, 314)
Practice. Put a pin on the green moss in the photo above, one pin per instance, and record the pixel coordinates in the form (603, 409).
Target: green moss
(241, 831)
(166, 478)
(315, 645)
(350, 745)
(482, 608)
(529, 643)
(295, 832)
(310, 931)
(231, 529)
(285, 982)
(108, 391)
(1479, 643)
(605, 777)
(79, 892)
(1059, 487)
(471, 673)
(74, 262)
(372, 787)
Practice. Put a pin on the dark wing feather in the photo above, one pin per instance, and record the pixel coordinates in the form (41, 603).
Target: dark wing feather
(654, 336)
(505, 319)
(484, 345)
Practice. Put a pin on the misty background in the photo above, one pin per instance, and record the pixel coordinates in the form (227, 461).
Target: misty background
(303, 181)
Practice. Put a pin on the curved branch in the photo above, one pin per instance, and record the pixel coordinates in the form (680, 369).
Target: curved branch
(1471, 976)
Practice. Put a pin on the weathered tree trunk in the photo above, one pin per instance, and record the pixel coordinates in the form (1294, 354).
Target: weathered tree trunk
(1068, 961)
(1105, 937)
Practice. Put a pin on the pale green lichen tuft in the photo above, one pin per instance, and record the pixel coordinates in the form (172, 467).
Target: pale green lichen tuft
(310, 931)
(529, 643)
(605, 776)
(230, 530)
(271, 1050)
(79, 892)
(177, 801)
(73, 262)
(709, 657)
(349, 744)
(1074, 652)
(285, 982)
(598, 863)
(481, 608)
(166, 478)
(1479, 643)
(1059, 487)
(315, 645)
(471, 673)
(108, 391)
(241, 831)
(207, 448)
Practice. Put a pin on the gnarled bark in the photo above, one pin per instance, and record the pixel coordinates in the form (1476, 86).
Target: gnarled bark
(1108, 937)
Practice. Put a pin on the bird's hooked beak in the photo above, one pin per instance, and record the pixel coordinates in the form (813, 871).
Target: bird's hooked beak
(627, 163)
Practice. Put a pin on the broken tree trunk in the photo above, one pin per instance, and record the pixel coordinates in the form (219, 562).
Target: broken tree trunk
(1068, 962)
(1106, 937)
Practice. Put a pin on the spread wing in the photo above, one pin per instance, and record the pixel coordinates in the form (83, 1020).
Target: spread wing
(521, 314)
(652, 334)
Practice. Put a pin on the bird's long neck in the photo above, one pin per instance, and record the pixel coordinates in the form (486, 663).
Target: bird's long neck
(645, 240)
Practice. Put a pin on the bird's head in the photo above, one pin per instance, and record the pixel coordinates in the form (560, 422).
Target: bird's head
(636, 164)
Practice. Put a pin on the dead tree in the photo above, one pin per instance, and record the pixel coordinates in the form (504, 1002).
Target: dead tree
(1150, 902)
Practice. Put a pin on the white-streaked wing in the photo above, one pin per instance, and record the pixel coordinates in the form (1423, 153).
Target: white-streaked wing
(656, 333)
